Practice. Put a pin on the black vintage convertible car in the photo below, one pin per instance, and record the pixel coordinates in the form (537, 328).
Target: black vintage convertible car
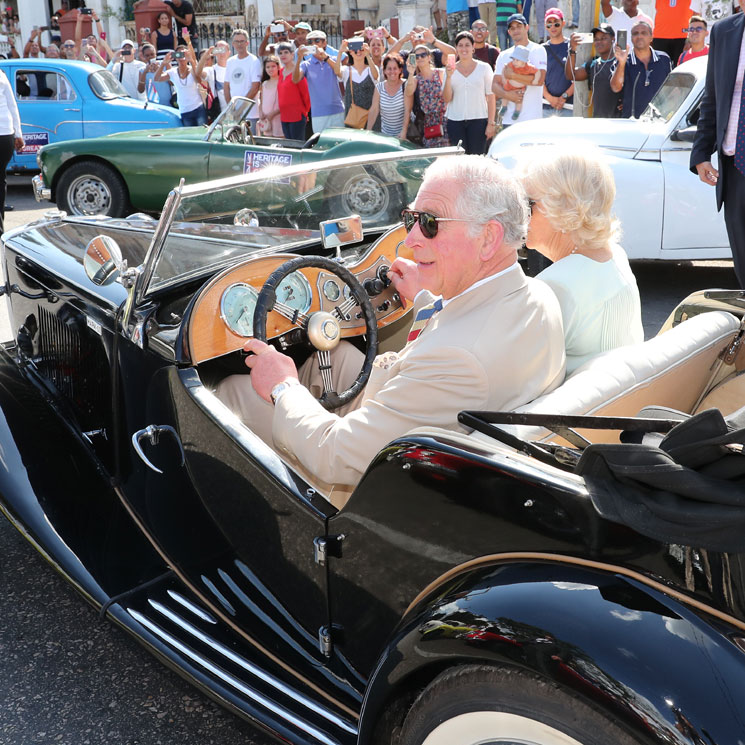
(524, 579)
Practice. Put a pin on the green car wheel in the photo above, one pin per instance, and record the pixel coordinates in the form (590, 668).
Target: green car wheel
(92, 188)
(365, 193)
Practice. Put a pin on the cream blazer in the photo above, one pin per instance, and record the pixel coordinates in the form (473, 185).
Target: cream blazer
(495, 347)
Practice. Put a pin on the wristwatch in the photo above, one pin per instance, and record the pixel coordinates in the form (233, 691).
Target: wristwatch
(280, 388)
(573, 51)
(565, 95)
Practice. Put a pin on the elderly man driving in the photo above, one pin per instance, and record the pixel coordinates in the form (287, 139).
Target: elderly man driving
(485, 336)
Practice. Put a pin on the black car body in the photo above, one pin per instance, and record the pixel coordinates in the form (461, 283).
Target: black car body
(450, 559)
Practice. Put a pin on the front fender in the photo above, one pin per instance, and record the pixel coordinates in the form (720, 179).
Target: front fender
(668, 674)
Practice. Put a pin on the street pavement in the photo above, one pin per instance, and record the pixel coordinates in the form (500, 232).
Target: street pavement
(68, 678)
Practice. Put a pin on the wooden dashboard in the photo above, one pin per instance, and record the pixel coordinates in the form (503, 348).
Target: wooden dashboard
(216, 325)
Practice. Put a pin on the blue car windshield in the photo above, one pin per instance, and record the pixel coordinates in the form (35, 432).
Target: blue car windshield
(105, 85)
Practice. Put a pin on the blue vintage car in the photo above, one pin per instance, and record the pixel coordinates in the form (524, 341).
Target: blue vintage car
(67, 99)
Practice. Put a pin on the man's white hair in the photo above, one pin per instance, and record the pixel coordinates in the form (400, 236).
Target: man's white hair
(488, 192)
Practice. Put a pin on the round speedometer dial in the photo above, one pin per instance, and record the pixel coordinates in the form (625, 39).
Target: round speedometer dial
(294, 290)
(237, 308)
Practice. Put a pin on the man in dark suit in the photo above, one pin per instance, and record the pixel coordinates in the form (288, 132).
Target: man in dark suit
(721, 127)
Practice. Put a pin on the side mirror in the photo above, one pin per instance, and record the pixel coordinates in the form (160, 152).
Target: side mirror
(103, 262)
(340, 232)
(684, 135)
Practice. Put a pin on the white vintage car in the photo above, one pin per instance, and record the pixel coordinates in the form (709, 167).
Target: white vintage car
(665, 211)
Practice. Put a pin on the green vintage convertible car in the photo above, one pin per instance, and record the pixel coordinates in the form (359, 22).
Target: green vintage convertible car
(134, 171)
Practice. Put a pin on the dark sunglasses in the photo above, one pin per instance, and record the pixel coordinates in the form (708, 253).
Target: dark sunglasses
(553, 25)
(422, 55)
(531, 204)
(693, 29)
(427, 221)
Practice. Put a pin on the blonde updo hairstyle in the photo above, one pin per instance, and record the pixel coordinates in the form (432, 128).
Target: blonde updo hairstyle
(576, 191)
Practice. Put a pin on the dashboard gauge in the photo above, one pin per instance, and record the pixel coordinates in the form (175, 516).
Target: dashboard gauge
(294, 290)
(331, 290)
(237, 308)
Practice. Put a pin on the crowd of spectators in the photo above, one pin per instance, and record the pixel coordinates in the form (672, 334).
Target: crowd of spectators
(490, 74)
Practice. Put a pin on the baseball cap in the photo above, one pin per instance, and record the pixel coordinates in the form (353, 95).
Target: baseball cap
(605, 28)
(127, 43)
(554, 13)
(303, 25)
(519, 17)
(315, 35)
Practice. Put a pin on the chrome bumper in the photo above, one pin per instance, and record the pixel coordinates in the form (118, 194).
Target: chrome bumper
(41, 192)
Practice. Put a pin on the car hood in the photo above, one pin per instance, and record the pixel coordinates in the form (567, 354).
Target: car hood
(177, 133)
(624, 137)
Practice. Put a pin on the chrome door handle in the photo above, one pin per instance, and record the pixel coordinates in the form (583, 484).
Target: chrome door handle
(72, 109)
(153, 433)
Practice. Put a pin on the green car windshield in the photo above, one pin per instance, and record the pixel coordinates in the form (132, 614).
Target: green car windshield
(228, 124)
(274, 207)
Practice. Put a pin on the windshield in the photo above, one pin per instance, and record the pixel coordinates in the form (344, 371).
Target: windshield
(669, 97)
(279, 209)
(105, 85)
(231, 118)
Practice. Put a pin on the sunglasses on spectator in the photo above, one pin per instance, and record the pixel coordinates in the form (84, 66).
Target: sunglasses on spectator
(694, 29)
(68, 46)
(422, 55)
(553, 25)
(427, 221)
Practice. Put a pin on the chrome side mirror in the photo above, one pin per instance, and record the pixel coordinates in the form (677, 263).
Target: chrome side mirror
(103, 262)
(340, 232)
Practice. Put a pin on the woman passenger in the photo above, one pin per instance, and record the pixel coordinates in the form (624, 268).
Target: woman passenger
(571, 194)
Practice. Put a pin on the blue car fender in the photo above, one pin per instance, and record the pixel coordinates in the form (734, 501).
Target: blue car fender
(668, 671)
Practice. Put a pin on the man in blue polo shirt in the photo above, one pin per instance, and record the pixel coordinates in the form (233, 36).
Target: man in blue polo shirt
(326, 105)
(640, 71)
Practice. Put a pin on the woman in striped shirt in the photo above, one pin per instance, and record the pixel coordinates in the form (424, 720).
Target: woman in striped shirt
(389, 100)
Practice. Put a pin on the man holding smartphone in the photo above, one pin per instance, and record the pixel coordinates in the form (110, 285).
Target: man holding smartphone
(126, 69)
(182, 11)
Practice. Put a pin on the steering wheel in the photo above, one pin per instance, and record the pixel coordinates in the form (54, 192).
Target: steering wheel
(234, 134)
(322, 329)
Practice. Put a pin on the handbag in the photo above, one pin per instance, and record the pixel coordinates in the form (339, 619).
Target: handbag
(416, 123)
(356, 117)
(434, 130)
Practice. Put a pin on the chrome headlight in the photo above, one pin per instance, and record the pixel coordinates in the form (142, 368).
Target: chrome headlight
(38, 159)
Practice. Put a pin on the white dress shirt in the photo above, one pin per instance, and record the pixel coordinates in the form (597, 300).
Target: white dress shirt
(10, 121)
(730, 136)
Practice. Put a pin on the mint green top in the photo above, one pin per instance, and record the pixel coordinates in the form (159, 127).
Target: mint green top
(600, 304)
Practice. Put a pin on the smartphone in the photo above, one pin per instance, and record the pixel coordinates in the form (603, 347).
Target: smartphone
(450, 62)
(311, 50)
(86, 11)
(622, 38)
(180, 54)
(276, 28)
(584, 38)
(378, 33)
(355, 45)
(103, 35)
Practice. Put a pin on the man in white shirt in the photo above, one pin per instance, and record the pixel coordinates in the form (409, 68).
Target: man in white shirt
(243, 69)
(625, 17)
(713, 10)
(126, 69)
(532, 94)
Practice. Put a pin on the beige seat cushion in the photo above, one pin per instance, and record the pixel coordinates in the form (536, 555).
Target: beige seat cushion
(669, 370)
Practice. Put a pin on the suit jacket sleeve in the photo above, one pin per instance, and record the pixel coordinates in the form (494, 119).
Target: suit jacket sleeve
(337, 450)
(706, 131)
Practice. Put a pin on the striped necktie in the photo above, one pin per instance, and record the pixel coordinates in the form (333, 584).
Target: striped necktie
(422, 319)
(740, 137)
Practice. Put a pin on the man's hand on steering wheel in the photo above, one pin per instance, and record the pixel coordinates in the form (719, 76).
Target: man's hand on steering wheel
(269, 367)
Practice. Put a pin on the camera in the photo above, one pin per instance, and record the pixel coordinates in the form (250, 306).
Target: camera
(86, 11)
(418, 37)
(180, 54)
(146, 30)
(312, 49)
(622, 38)
(378, 33)
(355, 45)
(276, 28)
